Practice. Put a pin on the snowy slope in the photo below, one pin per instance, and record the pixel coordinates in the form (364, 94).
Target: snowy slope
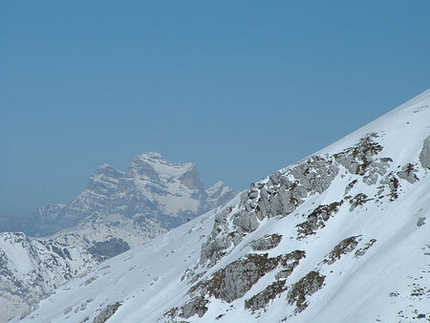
(31, 268)
(341, 236)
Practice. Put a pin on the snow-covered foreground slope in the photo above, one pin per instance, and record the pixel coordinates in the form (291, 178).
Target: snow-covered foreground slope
(341, 236)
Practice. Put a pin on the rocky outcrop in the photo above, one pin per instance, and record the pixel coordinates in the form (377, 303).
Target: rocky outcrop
(316, 219)
(342, 248)
(425, 153)
(409, 173)
(237, 278)
(109, 248)
(107, 312)
(277, 196)
(361, 159)
(196, 306)
(267, 242)
(282, 192)
(262, 299)
(306, 286)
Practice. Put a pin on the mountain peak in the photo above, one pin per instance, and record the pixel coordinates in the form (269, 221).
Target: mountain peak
(152, 164)
(104, 166)
(151, 155)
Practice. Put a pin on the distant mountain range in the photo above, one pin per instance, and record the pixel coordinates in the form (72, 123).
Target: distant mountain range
(340, 236)
(117, 211)
(152, 187)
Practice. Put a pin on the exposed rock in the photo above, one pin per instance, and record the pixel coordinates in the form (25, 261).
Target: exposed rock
(421, 221)
(289, 262)
(393, 184)
(109, 248)
(267, 242)
(306, 286)
(214, 248)
(237, 278)
(279, 196)
(345, 246)
(234, 280)
(350, 186)
(253, 193)
(359, 158)
(362, 251)
(425, 153)
(246, 220)
(408, 173)
(358, 200)
(197, 305)
(313, 175)
(262, 299)
(316, 219)
(107, 313)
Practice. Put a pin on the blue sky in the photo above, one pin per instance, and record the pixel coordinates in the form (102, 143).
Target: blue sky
(241, 88)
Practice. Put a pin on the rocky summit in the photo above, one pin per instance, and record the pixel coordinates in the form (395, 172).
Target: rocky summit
(117, 211)
(152, 187)
(340, 236)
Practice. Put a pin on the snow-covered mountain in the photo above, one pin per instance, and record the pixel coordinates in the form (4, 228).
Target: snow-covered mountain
(169, 193)
(341, 236)
(116, 212)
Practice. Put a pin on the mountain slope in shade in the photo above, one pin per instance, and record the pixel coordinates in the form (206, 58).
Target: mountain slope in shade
(341, 236)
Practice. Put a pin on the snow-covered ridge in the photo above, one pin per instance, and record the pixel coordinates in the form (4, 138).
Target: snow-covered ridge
(341, 236)
(163, 166)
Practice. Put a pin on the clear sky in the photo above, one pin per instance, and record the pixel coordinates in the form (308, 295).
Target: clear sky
(241, 88)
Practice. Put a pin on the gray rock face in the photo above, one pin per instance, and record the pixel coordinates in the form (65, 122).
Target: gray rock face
(262, 299)
(267, 242)
(278, 196)
(408, 173)
(345, 246)
(237, 278)
(361, 159)
(282, 192)
(425, 153)
(107, 312)
(317, 219)
(306, 286)
(196, 306)
(109, 248)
